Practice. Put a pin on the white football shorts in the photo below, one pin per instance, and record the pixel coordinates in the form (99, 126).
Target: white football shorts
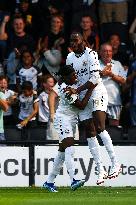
(97, 102)
(65, 126)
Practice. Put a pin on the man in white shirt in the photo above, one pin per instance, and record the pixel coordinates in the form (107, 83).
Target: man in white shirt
(113, 76)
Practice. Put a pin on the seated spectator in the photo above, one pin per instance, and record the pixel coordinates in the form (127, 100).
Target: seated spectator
(28, 72)
(10, 97)
(113, 77)
(89, 32)
(28, 108)
(43, 114)
(118, 54)
(131, 81)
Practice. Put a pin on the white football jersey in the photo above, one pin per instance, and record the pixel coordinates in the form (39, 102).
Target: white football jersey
(66, 101)
(26, 106)
(86, 66)
(43, 115)
(29, 75)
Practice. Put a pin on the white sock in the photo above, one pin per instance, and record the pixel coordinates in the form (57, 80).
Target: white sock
(109, 146)
(57, 165)
(95, 151)
(69, 160)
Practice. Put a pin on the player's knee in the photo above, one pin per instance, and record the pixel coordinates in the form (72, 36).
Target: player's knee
(67, 142)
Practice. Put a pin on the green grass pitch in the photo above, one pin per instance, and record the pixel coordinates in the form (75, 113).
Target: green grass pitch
(83, 196)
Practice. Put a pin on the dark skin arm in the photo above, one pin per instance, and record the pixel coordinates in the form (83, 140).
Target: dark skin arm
(82, 104)
(87, 85)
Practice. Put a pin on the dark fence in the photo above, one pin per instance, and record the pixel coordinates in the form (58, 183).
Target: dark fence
(39, 134)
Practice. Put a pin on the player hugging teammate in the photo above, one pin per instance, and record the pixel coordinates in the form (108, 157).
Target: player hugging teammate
(86, 65)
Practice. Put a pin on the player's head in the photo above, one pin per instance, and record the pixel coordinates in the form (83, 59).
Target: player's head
(27, 88)
(68, 74)
(77, 43)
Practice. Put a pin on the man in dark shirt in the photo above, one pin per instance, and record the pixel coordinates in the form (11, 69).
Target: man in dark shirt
(19, 37)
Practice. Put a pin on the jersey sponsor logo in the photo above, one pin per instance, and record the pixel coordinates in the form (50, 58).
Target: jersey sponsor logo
(84, 63)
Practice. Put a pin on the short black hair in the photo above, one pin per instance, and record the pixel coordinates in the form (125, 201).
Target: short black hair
(76, 34)
(27, 85)
(66, 70)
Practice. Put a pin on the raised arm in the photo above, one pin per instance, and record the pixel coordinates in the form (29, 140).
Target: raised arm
(3, 34)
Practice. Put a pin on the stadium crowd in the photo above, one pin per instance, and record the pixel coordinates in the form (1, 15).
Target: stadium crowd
(34, 43)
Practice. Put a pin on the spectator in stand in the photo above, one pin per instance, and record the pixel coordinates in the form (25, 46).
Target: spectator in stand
(17, 37)
(131, 81)
(3, 107)
(28, 108)
(28, 72)
(10, 97)
(43, 115)
(80, 8)
(88, 30)
(13, 65)
(123, 57)
(48, 56)
(50, 8)
(113, 11)
(25, 12)
(113, 77)
(56, 33)
(118, 54)
(32, 16)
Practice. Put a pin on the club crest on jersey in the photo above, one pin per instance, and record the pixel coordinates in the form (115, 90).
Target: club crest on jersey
(84, 63)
